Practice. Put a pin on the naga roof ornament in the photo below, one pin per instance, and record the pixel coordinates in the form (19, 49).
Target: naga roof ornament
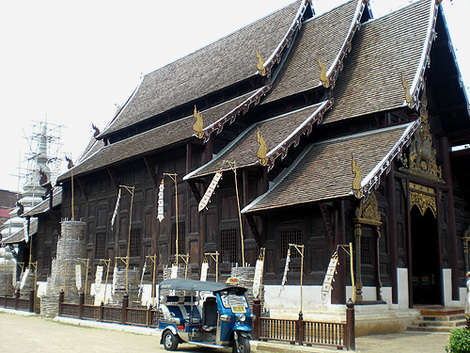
(406, 87)
(263, 159)
(198, 125)
(323, 77)
(356, 183)
(260, 66)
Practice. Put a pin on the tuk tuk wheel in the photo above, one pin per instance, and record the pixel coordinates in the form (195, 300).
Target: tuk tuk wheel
(241, 345)
(170, 341)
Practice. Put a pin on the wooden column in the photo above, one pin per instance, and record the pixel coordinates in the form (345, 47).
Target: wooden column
(357, 240)
(338, 292)
(392, 232)
(452, 236)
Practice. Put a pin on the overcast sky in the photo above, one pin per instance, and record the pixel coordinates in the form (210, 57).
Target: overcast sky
(72, 61)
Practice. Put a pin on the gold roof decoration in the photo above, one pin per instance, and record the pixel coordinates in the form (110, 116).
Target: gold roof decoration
(263, 160)
(368, 211)
(260, 66)
(198, 125)
(356, 183)
(423, 197)
(421, 158)
(406, 87)
(323, 77)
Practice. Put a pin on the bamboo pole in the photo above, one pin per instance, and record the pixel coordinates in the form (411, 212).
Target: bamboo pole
(73, 209)
(351, 263)
(300, 249)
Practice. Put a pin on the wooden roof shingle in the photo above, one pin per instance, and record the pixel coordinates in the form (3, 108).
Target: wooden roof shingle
(323, 171)
(218, 65)
(383, 50)
(162, 136)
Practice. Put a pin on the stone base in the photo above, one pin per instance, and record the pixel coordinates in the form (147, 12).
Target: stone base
(50, 306)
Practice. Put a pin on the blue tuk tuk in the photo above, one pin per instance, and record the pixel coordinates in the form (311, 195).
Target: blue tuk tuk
(206, 314)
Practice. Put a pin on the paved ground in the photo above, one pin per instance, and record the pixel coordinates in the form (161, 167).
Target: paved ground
(31, 334)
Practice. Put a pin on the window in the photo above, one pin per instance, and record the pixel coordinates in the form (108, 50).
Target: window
(290, 237)
(228, 246)
(100, 245)
(135, 246)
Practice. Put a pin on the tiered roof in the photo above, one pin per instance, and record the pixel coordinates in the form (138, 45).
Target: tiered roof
(323, 170)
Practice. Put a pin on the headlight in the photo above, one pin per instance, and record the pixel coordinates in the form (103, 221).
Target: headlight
(225, 317)
(242, 317)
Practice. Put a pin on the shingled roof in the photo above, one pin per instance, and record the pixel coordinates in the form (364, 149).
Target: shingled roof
(327, 38)
(323, 170)
(18, 236)
(162, 136)
(383, 50)
(43, 206)
(279, 133)
(218, 65)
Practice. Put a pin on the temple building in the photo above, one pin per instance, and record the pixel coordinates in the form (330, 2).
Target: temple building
(328, 130)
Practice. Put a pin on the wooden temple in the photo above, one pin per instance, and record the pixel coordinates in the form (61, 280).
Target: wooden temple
(356, 119)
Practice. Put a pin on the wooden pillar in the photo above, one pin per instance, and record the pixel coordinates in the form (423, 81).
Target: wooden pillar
(378, 284)
(392, 232)
(452, 236)
(338, 291)
(357, 238)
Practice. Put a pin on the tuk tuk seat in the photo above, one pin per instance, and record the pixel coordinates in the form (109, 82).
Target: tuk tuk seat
(172, 310)
(209, 314)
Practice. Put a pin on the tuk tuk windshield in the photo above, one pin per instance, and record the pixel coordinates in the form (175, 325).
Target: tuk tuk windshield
(230, 300)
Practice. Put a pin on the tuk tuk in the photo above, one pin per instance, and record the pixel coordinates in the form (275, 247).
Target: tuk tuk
(206, 314)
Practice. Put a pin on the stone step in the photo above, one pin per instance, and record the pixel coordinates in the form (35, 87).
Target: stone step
(440, 312)
(424, 323)
(452, 317)
(430, 328)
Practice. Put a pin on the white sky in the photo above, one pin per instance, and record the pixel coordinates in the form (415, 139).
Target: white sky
(72, 61)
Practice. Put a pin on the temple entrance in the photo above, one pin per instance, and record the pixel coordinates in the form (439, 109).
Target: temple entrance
(426, 272)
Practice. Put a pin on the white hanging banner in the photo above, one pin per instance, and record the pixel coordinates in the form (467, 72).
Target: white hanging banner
(174, 272)
(210, 190)
(99, 275)
(160, 213)
(329, 277)
(286, 269)
(25, 230)
(116, 208)
(78, 276)
(141, 285)
(204, 269)
(115, 275)
(257, 278)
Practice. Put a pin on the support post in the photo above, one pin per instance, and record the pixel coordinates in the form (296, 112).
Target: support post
(357, 236)
(299, 330)
(81, 302)
(257, 319)
(61, 301)
(31, 301)
(125, 304)
(349, 333)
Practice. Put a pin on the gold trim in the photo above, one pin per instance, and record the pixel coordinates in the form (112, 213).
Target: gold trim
(356, 183)
(423, 197)
(260, 66)
(323, 77)
(368, 212)
(199, 124)
(406, 87)
(263, 160)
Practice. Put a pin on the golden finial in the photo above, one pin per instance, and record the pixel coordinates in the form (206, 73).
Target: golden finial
(356, 184)
(323, 78)
(406, 87)
(198, 125)
(438, 2)
(260, 66)
(263, 160)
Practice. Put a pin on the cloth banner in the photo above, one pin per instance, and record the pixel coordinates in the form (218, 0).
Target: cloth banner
(99, 275)
(160, 211)
(174, 272)
(115, 275)
(25, 230)
(78, 276)
(142, 280)
(329, 277)
(24, 278)
(286, 269)
(257, 278)
(98, 292)
(116, 208)
(210, 190)
(204, 269)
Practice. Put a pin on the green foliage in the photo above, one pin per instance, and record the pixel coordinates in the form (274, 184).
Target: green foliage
(459, 341)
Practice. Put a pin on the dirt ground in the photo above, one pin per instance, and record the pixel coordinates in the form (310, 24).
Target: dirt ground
(31, 334)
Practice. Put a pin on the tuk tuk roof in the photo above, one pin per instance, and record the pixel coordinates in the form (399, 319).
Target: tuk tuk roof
(193, 285)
